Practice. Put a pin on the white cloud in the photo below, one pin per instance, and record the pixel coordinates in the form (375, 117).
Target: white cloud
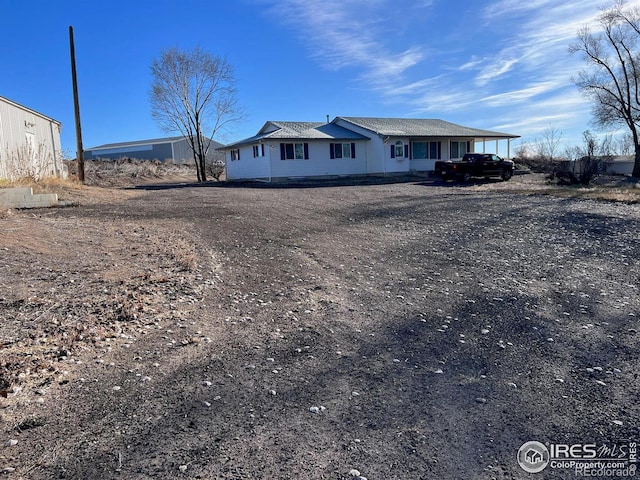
(471, 64)
(515, 76)
(495, 70)
(350, 33)
(517, 96)
(414, 88)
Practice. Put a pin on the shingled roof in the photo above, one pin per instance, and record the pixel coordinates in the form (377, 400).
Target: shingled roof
(389, 127)
(418, 127)
(276, 130)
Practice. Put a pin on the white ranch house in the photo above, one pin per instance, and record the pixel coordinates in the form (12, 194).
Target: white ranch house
(352, 146)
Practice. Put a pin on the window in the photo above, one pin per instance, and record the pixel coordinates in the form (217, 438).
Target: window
(458, 149)
(399, 149)
(342, 150)
(294, 151)
(426, 150)
(419, 150)
(235, 154)
(435, 150)
(258, 150)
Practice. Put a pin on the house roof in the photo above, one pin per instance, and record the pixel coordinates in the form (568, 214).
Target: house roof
(398, 127)
(276, 130)
(153, 141)
(419, 127)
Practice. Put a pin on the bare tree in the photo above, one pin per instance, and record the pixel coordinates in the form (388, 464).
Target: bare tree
(590, 143)
(522, 151)
(573, 152)
(546, 146)
(193, 92)
(624, 144)
(607, 146)
(611, 79)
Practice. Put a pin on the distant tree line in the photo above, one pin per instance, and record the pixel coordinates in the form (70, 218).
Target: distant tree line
(574, 163)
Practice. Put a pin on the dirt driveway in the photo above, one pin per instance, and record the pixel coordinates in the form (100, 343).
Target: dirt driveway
(390, 331)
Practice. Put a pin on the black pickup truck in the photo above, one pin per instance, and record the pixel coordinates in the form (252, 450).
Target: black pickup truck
(475, 165)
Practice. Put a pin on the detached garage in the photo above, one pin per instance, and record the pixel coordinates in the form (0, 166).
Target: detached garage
(29, 143)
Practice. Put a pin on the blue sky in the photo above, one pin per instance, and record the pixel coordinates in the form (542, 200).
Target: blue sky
(499, 65)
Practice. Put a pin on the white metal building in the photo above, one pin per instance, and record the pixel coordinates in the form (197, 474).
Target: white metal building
(172, 149)
(29, 143)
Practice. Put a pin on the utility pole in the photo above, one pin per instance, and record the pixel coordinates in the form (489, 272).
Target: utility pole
(76, 105)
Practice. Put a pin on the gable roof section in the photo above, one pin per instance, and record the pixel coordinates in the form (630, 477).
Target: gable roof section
(27, 109)
(135, 143)
(273, 130)
(419, 127)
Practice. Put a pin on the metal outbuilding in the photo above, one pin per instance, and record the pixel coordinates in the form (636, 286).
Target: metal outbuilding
(172, 149)
(29, 143)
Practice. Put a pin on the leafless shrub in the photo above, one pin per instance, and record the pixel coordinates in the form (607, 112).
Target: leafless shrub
(29, 162)
(581, 171)
(215, 170)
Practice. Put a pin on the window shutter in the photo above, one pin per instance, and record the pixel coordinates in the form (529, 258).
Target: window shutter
(282, 151)
(254, 151)
(439, 150)
(353, 150)
(238, 154)
(332, 150)
(306, 151)
(393, 151)
(468, 146)
(406, 151)
(262, 148)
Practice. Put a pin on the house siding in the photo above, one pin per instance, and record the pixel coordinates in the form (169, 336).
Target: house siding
(320, 162)
(21, 127)
(249, 166)
(395, 164)
(374, 161)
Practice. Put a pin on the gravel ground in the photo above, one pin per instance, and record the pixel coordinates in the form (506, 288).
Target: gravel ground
(383, 331)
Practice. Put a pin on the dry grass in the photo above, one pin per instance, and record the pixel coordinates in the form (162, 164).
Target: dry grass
(105, 181)
(127, 172)
(605, 188)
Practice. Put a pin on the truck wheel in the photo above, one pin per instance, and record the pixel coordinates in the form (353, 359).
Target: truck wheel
(507, 174)
(465, 177)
